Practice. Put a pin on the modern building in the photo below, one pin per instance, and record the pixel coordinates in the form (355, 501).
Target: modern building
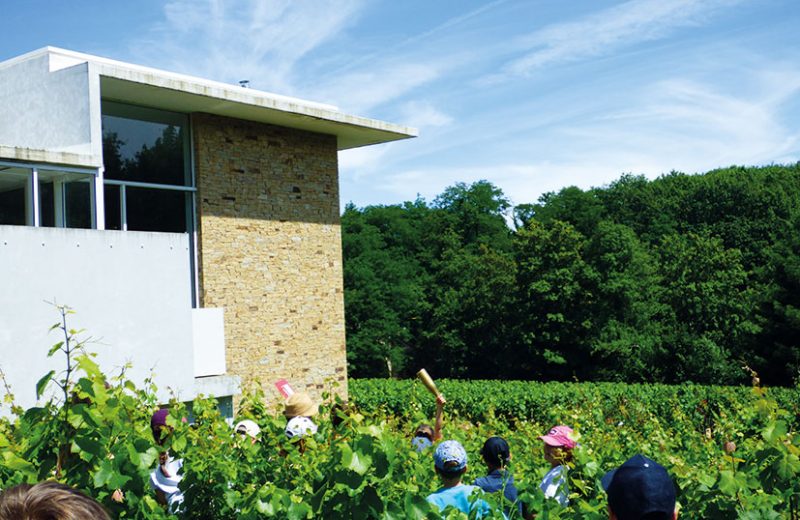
(192, 225)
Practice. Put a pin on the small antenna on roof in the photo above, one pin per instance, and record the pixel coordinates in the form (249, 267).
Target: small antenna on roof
(244, 83)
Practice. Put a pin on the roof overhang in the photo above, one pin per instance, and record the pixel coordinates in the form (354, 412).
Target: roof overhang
(134, 84)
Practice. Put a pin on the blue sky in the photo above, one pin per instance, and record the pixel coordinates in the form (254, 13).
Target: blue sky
(531, 95)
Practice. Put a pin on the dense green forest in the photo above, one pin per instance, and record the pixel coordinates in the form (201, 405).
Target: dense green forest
(682, 278)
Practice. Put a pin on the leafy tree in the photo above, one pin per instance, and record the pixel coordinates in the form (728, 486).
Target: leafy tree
(710, 307)
(582, 209)
(476, 214)
(386, 288)
(626, 345)
(777, 351)
(557, 298)
(677, 276)
(469, 326)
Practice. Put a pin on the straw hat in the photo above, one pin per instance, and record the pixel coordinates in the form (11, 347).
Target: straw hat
(300, 404)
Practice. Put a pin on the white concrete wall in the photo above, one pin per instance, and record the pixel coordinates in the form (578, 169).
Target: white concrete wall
(130, 291)
(56, 111)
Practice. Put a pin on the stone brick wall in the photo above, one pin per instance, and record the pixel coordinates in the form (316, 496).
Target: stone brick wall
(270, 250)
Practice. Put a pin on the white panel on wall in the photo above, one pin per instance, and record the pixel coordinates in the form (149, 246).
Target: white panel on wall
(209, 342)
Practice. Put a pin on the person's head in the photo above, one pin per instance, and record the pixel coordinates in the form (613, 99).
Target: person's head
(496, 453)
(340, 411)
(450, 460)
(297, 430)
(158, 425)
(299, 427)
(640, 489)
(247, 428)
(423, 437)
(300, 404)
(48, 501)
(558, 444)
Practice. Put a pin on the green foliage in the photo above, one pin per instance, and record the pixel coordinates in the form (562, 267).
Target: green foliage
(556, 287)
(385, 307)
(364, 467)
(687, 428)
(684, 277)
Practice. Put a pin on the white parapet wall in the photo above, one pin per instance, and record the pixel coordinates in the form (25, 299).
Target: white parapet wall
(55, 111)
(131, 292)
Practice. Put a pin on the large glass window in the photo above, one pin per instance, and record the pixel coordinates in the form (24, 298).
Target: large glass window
(43, 197)
(65, 199)
(147, 174)
(15, 191)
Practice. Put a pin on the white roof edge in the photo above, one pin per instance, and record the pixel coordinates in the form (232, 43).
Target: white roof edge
(109, 65)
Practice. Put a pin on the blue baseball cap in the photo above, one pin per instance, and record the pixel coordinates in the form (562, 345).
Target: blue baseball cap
(450, 452)
(640, 486)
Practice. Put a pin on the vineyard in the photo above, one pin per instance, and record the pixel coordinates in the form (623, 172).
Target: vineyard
(733, 451)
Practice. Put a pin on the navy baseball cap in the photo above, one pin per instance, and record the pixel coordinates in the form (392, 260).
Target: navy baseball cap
(639, 487)
(495, 451)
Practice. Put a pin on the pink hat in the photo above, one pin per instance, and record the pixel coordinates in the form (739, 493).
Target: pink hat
(560, 436)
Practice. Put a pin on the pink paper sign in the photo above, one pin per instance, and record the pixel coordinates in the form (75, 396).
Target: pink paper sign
(283, 387)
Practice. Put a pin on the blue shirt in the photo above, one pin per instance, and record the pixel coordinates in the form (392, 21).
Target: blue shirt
(459, 497)
(554, 485)
(498, 480)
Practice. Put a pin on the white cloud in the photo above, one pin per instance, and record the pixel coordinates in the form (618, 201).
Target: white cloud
(623, 25)
(358, 162)
(258, 40)
(361, 91)
(677, 124)
(719, 101)
(422, 114)
(275, 44)
(693, 127)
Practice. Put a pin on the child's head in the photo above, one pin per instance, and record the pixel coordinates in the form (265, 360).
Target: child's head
(558, 444)
(158, 426)
(495, 452)
(49, 499)
(423, 437)
(450, 459)
(299, 427)
(340, 412)
(248, 428)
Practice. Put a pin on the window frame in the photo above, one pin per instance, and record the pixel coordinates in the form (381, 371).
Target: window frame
(32, 199)
(165, 117)
(142, 113)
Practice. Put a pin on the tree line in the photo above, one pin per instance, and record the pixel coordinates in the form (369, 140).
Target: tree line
(681, 278)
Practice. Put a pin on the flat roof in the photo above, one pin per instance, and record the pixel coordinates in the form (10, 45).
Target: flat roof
(135, 84)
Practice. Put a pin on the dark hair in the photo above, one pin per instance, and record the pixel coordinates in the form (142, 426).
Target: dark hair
(48, 500)
(424, 430)
(451, 470)
(339, 412)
